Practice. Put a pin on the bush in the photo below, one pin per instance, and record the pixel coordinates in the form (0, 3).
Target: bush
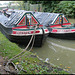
(67, 8)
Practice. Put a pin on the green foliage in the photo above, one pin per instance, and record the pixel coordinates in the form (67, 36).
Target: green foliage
(34, 2)
(66, 7)
(48, 6)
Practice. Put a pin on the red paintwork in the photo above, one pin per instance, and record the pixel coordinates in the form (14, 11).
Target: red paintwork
(35, 32)
(30, 32)
(60, 24)
(73, 30)
(24, 26)
(65, 19)
(19, 27)
(46, 30)
(56, 20)
(22, 21)
(14, 32)
(54, 30)
(34, 20)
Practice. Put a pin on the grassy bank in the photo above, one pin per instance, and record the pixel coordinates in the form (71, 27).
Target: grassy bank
(71, 20)
(30, 62)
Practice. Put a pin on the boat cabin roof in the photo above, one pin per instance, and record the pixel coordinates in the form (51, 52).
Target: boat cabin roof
(43, 18)
(17, 17)
(46, 18)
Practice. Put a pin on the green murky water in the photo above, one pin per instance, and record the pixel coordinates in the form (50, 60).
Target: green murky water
(60, 52)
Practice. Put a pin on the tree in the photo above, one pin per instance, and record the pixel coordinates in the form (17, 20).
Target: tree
(67, 8)
(49, 6)
(34, 2)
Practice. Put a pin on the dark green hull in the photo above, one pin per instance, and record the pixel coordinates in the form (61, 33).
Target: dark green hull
(39, 39)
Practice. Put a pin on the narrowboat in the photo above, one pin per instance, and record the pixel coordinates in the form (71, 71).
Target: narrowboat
(19, 27)
(57, 24)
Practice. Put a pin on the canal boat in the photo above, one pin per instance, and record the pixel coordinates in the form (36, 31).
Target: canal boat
(57, 24)
(65, 32)
(20, 26)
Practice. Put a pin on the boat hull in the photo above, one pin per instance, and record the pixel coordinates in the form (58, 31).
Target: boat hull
(68, 36)
(39, 39)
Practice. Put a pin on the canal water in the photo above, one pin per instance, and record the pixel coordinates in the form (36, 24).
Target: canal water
(59, 52)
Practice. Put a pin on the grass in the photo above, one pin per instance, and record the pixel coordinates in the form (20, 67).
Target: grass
(8, 48)
(30, 63)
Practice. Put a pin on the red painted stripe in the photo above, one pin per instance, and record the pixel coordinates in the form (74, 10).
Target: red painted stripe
(35, 32)
(60, 24)
(24, 26)
(14, 32)
(19, 27)
(65, 19)
(56, 20)
(54, 30)
(46, 30)
(73, 30)
(22, 21)
(31, 32)
(40, 25)
(34, 20)
(67, 24)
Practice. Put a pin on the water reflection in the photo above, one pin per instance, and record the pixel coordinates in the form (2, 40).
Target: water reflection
(57, 45)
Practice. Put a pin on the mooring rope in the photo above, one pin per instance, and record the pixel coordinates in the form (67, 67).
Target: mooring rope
(16, 56)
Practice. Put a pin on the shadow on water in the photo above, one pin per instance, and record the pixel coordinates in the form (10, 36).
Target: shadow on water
(23, 46)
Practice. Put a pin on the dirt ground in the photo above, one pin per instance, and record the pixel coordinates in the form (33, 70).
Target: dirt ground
(2, 71)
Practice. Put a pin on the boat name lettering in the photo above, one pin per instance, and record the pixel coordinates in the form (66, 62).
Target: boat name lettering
(64, 30)
(18, 32)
